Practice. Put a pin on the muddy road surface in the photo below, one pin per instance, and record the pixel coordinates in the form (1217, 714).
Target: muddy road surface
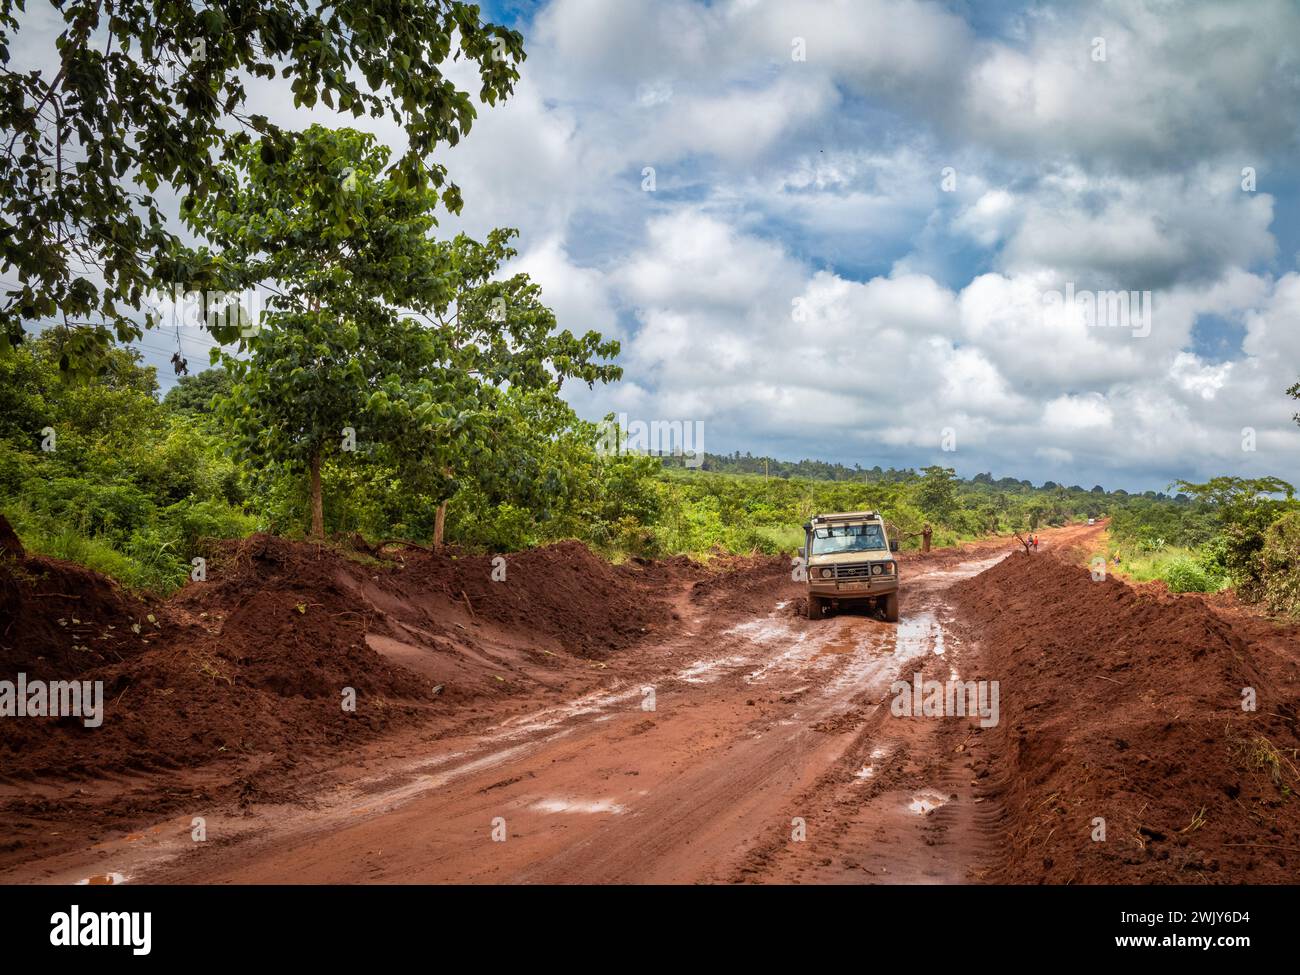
(736, 741)
(745, 744)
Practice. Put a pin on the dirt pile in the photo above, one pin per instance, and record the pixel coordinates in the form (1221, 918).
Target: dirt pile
(564, 595)
(259, 658)
(744, 581)
(262, 669)
(58, 619)
(1124, 704)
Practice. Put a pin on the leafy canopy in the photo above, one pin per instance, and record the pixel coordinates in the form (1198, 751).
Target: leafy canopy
(147, 93)
(442, 367)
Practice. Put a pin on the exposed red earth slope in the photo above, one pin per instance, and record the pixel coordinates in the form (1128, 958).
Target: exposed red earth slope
(1124, 703)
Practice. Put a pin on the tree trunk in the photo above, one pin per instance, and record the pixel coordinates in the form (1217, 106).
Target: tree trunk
(317, 508)
(439, 524)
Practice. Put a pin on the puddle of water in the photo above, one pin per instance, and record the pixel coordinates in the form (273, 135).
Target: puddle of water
(926, 802)
(595, 702)
(577, 806)
(918, 635)
(103, 880)
(841, 646)
(865, 772)
(787, 660)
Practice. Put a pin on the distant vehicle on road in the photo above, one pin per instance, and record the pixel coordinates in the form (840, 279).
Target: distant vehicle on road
(1092, 521)
(849, 559)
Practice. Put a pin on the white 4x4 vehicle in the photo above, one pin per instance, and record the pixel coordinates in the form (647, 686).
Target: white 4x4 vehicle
(849, 559)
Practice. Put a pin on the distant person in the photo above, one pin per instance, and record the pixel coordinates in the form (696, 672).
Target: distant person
(1035, 542)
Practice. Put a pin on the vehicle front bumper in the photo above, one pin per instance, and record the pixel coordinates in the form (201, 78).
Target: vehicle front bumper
(853, 589)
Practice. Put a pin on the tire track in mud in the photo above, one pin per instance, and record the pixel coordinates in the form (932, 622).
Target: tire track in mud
(904, 802)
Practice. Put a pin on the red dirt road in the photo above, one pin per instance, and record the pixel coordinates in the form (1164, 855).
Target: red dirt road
(741, 743)
(700, 761)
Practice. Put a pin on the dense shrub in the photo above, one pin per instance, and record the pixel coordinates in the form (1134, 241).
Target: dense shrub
(1279, 565)
(1186, 575)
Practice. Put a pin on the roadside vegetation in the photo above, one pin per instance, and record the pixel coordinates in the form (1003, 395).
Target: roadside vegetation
(106, 472)
(398, 385)
(1234, 532)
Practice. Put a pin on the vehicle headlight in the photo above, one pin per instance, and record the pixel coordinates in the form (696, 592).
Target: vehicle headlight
(827, 573)
(877, 569)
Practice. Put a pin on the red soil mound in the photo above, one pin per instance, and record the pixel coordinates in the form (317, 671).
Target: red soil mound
(1125, 704)
(58, 619)
(181, 689)
(743, 581)
(256, 659)
(563, 594)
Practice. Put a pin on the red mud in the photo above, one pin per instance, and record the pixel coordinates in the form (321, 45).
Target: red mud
(1125, 703)
(1117, 702)
(563, 595)
(256, 658)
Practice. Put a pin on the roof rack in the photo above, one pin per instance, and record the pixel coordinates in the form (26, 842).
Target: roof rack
(845, 516)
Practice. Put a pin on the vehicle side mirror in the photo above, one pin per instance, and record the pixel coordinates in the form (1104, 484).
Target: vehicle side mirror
(803, 551)
(893, 546)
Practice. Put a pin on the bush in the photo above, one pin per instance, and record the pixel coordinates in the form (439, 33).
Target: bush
(1279, 565)
(502, 528)
(187, 524)
(114, 511)
(1186, 575)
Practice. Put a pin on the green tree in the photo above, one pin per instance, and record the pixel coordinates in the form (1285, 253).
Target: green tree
(937, 492)
(483, 400)
(346, 247)
(194, 394)
(464, 381)
(147, 93)
(1246, 507)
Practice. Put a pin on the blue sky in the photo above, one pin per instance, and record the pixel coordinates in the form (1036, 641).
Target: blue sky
(850, 256)
(1096, 145)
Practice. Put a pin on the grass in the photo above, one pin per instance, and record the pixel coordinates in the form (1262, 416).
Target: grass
(158, 575)
(787, 538)
(1260, 754)
(155, 571)
(1177, 567)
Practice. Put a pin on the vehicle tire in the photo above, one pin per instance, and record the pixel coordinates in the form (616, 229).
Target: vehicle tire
(816, 608)
(891, 608)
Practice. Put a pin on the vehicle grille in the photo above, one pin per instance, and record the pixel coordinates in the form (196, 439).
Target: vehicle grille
(859, 570)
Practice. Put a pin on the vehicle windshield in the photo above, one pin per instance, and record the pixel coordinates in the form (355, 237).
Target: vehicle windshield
(848, 538)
